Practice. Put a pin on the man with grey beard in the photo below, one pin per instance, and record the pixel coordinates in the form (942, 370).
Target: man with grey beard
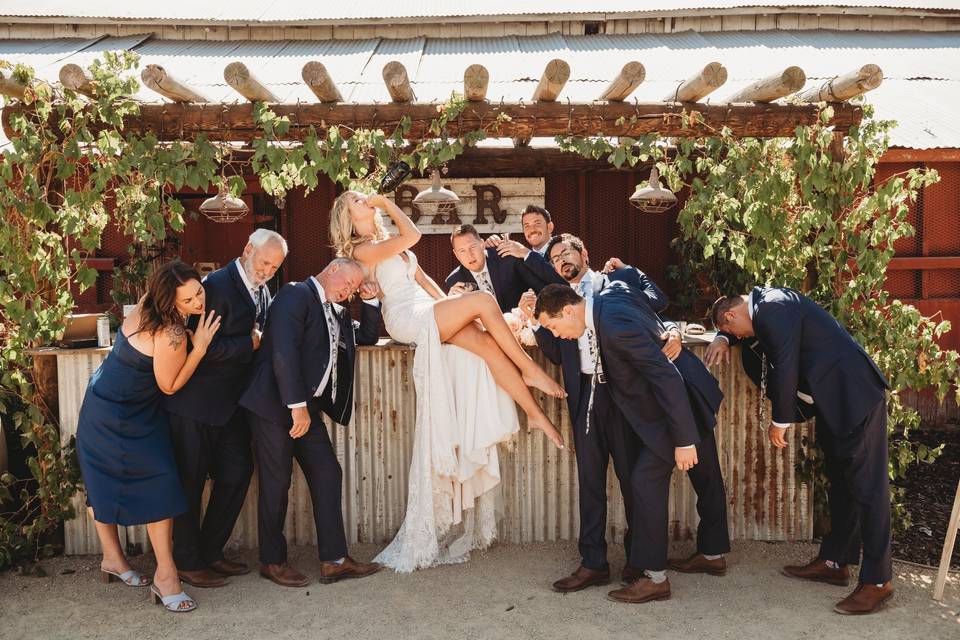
(210, 436)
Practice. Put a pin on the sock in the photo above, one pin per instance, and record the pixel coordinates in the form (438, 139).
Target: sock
(340, 561)
(709, 557)
(656, 576)
(832, 564)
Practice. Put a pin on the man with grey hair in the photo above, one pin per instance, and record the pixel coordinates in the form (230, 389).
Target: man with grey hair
(210, 436)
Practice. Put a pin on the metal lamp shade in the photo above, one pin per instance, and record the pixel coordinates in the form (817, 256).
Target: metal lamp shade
(436, 198)
(652, 197)
(223, 207)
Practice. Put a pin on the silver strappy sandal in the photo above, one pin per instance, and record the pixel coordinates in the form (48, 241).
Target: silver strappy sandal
(172, 603)
(129, 577)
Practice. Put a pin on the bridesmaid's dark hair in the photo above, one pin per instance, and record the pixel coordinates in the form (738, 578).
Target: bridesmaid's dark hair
(159, 306)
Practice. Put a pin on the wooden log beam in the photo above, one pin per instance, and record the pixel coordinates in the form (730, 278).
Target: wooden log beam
(316, 77)
(238, 76)
(475, 81)
(76, 79)
(398, 82)
(157, 78)
(554, 77)
(700, 85)
(235, 122)
(626, 81)
(10, 87)
(850, 85)
(790, 80)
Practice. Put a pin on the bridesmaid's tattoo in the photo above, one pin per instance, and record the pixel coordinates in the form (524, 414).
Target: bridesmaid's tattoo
(176, 334)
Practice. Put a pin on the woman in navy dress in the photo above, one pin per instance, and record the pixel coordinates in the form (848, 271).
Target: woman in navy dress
(123, 439)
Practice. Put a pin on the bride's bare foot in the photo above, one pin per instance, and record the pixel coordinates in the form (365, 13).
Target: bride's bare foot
(537, 378)
(543, 423)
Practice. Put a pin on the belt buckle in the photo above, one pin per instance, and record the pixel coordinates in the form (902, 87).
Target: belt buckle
(601, 378)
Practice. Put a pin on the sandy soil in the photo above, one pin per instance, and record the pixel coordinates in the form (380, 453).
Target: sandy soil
(501, 593)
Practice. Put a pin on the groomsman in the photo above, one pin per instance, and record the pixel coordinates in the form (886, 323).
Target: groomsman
(655, 399)
(210, 435)
(537, 228)
(506, 276)
(303, 370)
(813, 363)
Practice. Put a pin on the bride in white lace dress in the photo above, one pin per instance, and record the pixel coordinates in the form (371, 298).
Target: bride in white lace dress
(465, 357)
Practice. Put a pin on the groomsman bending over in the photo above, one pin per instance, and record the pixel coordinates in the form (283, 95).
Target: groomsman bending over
(209, 433)
(650, 392)
(305, 369)
(812, 360)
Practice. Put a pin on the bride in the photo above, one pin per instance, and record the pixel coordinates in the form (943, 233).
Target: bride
(468, 370)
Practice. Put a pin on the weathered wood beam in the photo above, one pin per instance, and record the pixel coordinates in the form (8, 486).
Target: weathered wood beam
(554, 77)
(76, 79)
(157, 78)
(10, 87)
(316, 77)
(790, 80)
(700, 85)
(850, 85)
(398, 82)
(475, 81)
(238, 76)
(236, 122)
(626, 81)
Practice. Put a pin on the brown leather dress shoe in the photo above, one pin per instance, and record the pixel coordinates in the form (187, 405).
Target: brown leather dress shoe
(699, 564)
(642, 590)
(630, 575)
(331, 572)
(865, 599)
(581, 579)
(229, 568)
(203, 578)
(284, 575)
(818, 571)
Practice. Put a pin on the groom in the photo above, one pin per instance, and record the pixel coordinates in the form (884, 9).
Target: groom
(305, 368)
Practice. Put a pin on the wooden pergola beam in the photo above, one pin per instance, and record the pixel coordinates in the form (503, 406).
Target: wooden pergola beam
(554, 77)
(850, 85)
(157, 78)
(235, 122)
(626, 81)
(78, 80)
(398, 82)
(475, 81)
(10, 87)
(315, 76)
(768, 89)
(700, 85)
(240, 78)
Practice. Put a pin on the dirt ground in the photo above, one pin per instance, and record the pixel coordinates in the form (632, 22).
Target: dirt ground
(501, 593)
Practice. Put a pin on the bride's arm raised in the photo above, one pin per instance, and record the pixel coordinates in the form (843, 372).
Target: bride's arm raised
(429, 285)
(409, 235)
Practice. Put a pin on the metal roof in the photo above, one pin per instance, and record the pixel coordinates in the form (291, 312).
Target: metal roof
(921, 70)
(284, 11)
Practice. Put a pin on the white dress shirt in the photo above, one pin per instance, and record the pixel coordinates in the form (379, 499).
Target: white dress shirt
(483, 279)
(586, 342)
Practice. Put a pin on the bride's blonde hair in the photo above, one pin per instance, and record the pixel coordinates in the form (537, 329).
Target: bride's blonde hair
(343, 237)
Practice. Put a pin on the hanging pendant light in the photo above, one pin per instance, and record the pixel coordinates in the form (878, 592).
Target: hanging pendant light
(223, 207)
(652, 197)
(436, 199)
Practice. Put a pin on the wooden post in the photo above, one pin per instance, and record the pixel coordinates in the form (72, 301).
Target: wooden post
(398, 83)
(10, 87)
(701, 84)
(952, 528)
(475, 81)
(841, 88)
(157, 78)
(623, 85)
(772, 87)
(73, 77)
(316, 77)
(551, 84)
(238, 76)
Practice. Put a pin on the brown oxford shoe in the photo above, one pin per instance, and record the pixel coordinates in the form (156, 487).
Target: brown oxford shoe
(331, 572)
(818, 571)
(865, 599)
(581, 579)
(630, 574)
(643, 590)
(699, 564)
(229, 568)
(203, 578)
(284, 575)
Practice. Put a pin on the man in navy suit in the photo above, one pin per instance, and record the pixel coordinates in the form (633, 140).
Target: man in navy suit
(669, 405)
(210, 435)
(303, 370)
(813, 362)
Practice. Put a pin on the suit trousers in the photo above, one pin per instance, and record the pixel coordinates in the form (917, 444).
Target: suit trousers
(713, 534)
(222, 453)
(275, 451)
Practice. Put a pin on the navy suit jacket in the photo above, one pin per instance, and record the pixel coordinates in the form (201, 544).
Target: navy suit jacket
(212, 393)
(295, 355)
(808, 350)
(510, 276)
(565, 352)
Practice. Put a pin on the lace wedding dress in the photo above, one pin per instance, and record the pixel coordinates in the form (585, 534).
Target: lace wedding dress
(461, 417)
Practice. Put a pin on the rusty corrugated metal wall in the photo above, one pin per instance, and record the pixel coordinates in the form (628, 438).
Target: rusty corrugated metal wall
(765, 499)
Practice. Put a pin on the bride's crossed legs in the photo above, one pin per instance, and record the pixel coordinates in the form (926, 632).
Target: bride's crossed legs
(510, 365)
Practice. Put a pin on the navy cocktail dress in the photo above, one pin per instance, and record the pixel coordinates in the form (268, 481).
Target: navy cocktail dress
(123, 442)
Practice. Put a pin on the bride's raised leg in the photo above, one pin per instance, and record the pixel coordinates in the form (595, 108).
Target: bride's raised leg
(507, 376)
(453, 314)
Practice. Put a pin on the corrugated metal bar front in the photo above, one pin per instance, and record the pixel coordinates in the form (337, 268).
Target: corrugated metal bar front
(766, 501)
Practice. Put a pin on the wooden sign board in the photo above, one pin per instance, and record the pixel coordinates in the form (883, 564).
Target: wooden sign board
(492, 205)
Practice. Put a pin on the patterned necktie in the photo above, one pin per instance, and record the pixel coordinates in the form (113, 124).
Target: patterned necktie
(333, 327)
(595, 355)
(483, 281)
(261, 306)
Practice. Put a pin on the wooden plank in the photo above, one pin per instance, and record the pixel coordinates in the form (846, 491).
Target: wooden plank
(901, 154)
(924, 263)
(948, 545)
